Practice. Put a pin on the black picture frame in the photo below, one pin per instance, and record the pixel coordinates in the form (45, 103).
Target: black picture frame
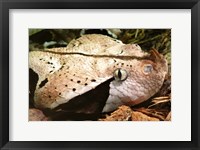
(6, 5)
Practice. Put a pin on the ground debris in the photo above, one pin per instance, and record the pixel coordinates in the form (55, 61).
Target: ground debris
(156, 113)
(125, 113)
(37, 115)
(138, 116)
(168, 118)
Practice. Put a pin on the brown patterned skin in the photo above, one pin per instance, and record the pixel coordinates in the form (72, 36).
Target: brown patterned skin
(65, 73)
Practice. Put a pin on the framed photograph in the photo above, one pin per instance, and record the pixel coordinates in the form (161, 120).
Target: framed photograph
(99, 75)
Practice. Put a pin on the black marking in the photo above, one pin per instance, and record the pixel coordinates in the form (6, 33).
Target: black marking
(40, 58)
(78, 81)
(130, 65)
(127, 65)
(50, 57)
(51, 71)
(33, 79)
(43, 83)
(122, 64)
(93, 80)
(59, 93)
(66, 85)
(86, 84)
(115, 40)
(74, 89)
(49, 96)
(71, 79)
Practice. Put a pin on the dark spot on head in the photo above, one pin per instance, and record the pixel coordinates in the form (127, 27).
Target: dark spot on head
(127, 65)
(122, 63)
(74, 74)
(61, 67)
(71, 79)
(55, 87)
(93, 80)
(74, 89)
(59, 93)
(86, 84)
(49, 96)
(78, 81)
(40, 58)
(114, 60)
(53, 67)
(51, 71)
(115, 40)
(65, 85)
(50, 57)
(59, 75)
(117, 64)
(130, 65)
(86, 78)
(43, 83)
(48, 62)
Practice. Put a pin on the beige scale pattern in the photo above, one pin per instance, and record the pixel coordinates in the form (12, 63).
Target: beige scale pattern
(91, 60)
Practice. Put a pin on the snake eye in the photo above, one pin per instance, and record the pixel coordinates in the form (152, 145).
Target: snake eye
(148, 69)
(120, 74)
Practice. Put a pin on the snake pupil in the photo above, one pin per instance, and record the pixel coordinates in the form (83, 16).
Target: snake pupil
(119, 74)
